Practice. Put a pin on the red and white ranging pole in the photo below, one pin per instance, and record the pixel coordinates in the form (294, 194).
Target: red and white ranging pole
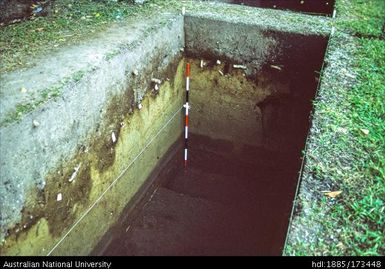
(186, 106)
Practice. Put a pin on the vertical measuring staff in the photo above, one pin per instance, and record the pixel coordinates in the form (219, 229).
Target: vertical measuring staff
(186, 106)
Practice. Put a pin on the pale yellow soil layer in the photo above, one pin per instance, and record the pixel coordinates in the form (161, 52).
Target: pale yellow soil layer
(47, 220)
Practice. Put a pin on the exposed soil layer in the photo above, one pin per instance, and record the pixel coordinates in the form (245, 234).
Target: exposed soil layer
(225, 203)
(236, 195)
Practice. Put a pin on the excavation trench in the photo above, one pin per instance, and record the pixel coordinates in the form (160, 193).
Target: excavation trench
(121, 188)
(247, 131)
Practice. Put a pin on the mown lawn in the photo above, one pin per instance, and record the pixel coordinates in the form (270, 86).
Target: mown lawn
(361, 213)
(353, 223)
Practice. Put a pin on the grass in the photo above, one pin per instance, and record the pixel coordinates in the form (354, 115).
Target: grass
(70, 22)
(349, 153)
(362, 212)
(364, 18)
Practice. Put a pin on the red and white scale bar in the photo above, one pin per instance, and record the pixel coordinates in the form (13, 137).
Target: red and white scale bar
(187, 107)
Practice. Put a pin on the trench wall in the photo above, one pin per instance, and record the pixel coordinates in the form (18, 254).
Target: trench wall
(267, 101)
(75, 131)
(71, 153)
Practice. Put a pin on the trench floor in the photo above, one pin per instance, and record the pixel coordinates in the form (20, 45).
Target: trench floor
(222, 204)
